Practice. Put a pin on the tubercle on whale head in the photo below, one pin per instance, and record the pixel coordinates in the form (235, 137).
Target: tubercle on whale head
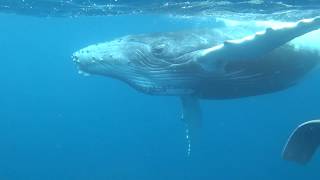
(109, 58)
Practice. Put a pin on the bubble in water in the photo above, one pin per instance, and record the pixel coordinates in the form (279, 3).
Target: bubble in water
(188, 141)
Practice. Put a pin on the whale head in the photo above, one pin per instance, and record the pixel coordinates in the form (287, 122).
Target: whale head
(147, 64)
(153, 64)
(116, 58)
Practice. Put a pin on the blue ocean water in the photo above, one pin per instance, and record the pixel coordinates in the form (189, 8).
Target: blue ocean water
(57, 124)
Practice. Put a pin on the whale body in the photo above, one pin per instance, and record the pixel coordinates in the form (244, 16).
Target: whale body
(205, 64)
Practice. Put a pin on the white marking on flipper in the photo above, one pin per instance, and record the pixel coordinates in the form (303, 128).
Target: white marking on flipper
(257, 45)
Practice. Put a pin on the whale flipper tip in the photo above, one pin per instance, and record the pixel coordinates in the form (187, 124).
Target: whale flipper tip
(303, 142)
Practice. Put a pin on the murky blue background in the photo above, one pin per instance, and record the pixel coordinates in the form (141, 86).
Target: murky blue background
(56, 124)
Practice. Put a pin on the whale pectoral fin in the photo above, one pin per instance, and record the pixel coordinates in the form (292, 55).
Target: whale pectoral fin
(257, 45)
(192, 117)
(303, 142)
(191, 111)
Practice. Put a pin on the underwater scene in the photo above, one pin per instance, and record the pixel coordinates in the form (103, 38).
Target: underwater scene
(161, 90)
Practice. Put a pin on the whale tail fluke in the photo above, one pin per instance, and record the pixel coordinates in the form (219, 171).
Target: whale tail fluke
(303, 142)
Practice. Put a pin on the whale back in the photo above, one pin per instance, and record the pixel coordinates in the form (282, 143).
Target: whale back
(171, 45)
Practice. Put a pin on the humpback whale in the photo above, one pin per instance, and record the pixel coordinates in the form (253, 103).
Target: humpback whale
(205, 64)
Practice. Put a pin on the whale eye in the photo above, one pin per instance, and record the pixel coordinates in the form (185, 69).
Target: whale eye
(159, 49)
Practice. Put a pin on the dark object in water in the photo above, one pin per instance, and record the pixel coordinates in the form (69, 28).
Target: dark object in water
(303, 142)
